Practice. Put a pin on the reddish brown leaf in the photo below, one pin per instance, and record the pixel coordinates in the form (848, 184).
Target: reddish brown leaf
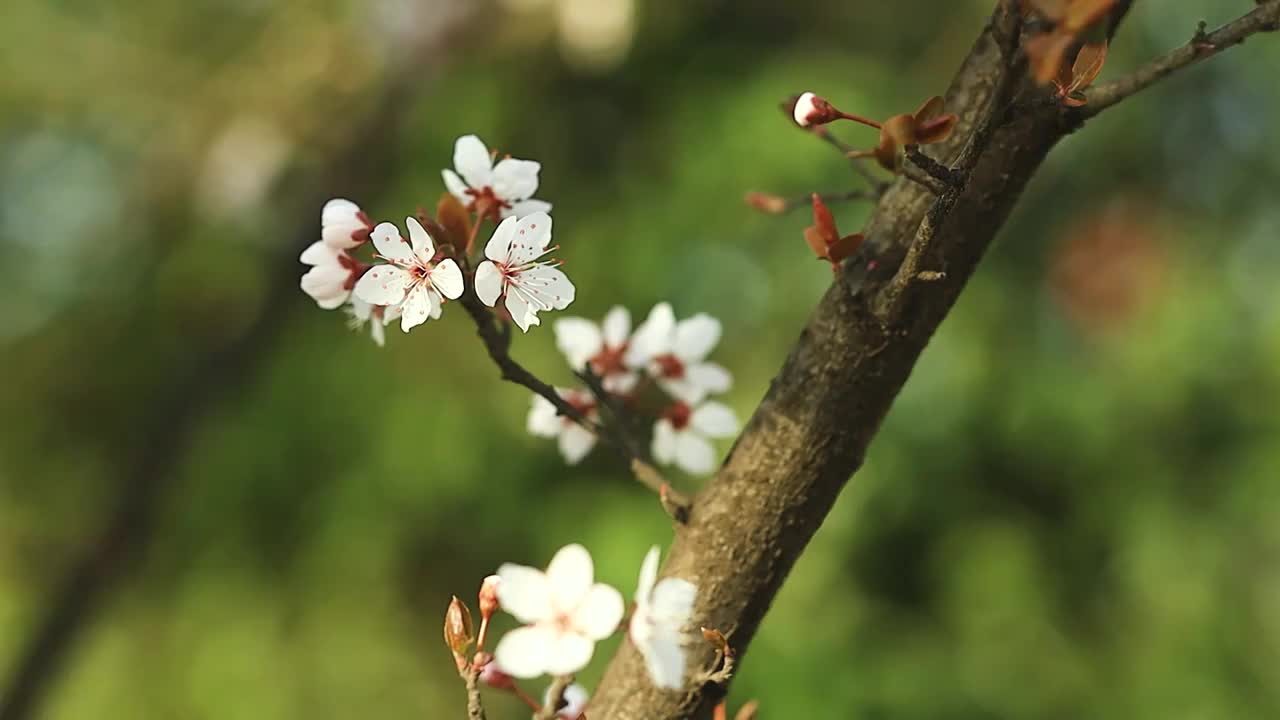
(454, 218)
(936, 129)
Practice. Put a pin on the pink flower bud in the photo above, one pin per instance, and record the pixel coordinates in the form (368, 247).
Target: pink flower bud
(489, 596)
(811, 109)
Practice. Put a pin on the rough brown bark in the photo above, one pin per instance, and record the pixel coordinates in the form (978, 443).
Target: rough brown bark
(811, 431)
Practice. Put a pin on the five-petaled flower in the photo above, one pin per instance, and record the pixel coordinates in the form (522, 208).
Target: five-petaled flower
(493, 191)
(413, 276)
(681, 435)
(658, 623)
(574, 440)
(572, 704)
(602, 346)
(675, 353)
(565, 613)
(332, 275)
(513, 269)
(343, 225)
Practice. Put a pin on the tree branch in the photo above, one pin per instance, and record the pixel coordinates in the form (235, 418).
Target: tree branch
(1264, 18)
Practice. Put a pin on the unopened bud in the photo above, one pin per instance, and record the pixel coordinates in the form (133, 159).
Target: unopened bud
(810, 109)
(457, 627)
(489, 596)
(717, 640)
(765, 202)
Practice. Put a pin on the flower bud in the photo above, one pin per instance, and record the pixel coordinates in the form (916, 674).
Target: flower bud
(810, 109)
(491, 674)
(717, 640)
(489, 596)
(457, 627)
(748, 711)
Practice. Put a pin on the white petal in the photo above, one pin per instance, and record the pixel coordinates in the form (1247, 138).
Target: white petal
(598, 615)
(437, 301)
(526, 207)
(338, 210)
(664, 658)
(326, 286)
(714, 419)
(455, 185)
(472, 161)
(515, 179)
(361, 311)
(417, 307)
(653, 337)
(488, 283)
(543, 420)
(664, 442)
(338, 221)
(672, 602)
(621, 383)
(711, 377)
(648, 574)
(575, 442)
(319, 253)
(524, 592)
(617, 326)
(521, 312)
(579, 339)
(694, 453)
(524, 652)
(420, 240)
(683, 389)
(391, 314)
(499, 245)
(446, 277)
(383, 285)
(386, 238)
(695, 337)
(530, 238)
(548, 287)
(570, 575)
(568, 653)
(379, 333)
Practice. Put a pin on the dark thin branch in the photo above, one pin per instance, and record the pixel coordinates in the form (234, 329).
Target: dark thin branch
(774, 205)
(859, 166)
(675, 503)
(933, 168)
(1264, 18)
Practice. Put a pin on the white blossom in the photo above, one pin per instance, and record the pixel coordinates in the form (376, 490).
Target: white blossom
(376, 316)
(603, 346)
(564, 611)
(343, 225)
(513, 269)
(574, 701)
(681, 435)
(574, 440)
(675, 353)
(331, 276)
(499, 191)
(412, 275)
(658, 623)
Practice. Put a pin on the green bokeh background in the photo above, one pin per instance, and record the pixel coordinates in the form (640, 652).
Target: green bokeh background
(1073, 510)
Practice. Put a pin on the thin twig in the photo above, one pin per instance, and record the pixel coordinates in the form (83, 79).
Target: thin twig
(933, 168)
(774, 205)
(475, 704)
(676, 504)
(878, 187)
(1264, 18)
(554, 698)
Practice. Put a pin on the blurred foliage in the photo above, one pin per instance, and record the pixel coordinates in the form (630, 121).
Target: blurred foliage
(1073, 510)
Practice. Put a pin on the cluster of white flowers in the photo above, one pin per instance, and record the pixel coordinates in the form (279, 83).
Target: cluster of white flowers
(662, 355)
(565, 612)
(417, 278)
